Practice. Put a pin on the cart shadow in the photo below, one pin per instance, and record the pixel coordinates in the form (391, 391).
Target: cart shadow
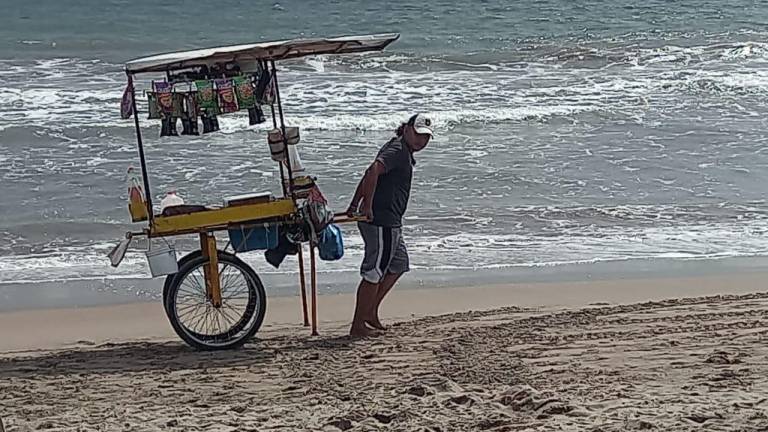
(164, 356)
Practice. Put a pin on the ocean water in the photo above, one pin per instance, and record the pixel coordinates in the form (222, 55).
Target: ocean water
(568, 131)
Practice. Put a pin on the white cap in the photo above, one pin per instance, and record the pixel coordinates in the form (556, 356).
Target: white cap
(423, 125)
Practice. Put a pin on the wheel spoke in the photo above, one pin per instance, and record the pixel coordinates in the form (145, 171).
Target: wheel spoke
(230, 321)
(242, 287)
(200, 320)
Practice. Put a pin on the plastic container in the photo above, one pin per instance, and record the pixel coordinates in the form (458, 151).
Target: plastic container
(246, 238)
(297, 168)
(277, 144)
(137, 204)
(162, 260)
(170, 200)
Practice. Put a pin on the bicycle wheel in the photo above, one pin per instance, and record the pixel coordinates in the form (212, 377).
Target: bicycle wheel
(206, 327)
(169, 279)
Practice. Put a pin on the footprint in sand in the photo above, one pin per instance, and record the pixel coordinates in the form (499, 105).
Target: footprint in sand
(419, 390)
(341, 424)
(724, 357)
(525, 398)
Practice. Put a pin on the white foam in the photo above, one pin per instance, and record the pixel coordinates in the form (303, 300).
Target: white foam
(566, 244)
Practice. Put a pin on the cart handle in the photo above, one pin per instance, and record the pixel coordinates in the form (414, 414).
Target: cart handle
(344, 218)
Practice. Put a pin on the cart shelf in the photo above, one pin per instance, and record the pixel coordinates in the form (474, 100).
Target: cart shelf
(209, 220)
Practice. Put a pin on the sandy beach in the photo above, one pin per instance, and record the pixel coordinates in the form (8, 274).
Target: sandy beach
(650, 354)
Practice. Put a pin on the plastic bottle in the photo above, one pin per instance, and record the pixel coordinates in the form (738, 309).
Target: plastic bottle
(297, 168)
(137, 205)
(170, 200)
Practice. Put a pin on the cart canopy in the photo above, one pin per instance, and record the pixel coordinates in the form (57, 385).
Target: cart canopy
(252, 53)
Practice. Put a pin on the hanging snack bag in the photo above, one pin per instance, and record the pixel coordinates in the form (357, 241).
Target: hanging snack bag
(206, 97)
(227, 98)
(164, 92)
(244, 90)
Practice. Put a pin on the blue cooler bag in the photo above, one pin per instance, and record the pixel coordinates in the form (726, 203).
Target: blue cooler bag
(246, 238)
(331, 245)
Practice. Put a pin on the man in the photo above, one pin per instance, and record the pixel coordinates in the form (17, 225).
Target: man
(382, 196)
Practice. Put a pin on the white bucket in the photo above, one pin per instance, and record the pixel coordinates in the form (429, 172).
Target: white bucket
(162, 261)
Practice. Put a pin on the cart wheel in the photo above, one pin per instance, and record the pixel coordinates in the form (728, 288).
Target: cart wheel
(205, 327)
(169, 279)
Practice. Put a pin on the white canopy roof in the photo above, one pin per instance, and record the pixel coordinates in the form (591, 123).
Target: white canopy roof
(278, 50)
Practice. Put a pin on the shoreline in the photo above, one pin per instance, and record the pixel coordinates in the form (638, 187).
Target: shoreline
(57, 328)
(107, 292)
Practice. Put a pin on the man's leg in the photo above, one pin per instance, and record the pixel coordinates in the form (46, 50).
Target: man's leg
(378, 254)
(366, 298)
(399, 265)
(383, 288)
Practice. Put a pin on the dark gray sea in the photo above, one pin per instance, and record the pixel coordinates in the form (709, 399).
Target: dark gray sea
(568, 131)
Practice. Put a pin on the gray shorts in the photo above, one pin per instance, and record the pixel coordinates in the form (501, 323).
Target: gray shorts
(385, 252)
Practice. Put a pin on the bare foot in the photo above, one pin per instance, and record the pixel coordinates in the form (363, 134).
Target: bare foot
(375, 323)
(359, 331)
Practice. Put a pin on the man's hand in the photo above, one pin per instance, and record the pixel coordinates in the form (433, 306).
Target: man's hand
(368, 213)
(365, 191)
(352, 209)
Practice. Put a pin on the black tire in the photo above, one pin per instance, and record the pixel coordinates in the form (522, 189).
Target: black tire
(187, 286)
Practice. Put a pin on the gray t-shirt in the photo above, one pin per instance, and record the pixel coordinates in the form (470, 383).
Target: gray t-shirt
(394, 186)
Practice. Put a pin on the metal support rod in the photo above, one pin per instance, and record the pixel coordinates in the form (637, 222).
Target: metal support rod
(282, 169)
(145, 176)
(265, 67)
(282, 128)
(313, 278)
(303, 286)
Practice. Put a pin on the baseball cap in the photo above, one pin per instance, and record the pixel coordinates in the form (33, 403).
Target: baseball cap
(422, 124)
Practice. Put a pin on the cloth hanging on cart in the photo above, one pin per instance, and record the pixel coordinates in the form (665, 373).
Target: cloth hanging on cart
(256, 116)
(154, 110)
(168, 126)
(317, 212)
(178, 105)
(189, 114)
(126, 102)
(210, 123)
(265, 89)
(285, 247)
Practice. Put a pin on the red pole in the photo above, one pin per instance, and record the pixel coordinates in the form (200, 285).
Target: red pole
(313, 276)
(303, 286)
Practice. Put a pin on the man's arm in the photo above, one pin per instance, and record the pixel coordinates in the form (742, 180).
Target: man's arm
(366, 189)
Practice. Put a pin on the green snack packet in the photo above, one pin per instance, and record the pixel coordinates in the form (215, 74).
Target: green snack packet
(245, 94)
(207, 97)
